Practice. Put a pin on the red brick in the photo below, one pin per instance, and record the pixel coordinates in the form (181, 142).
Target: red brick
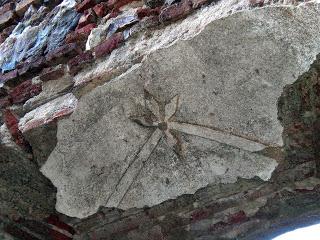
(79, 62)
(86, 29)
(147, 12)
(176, 11)
(116, 4)
(84, 5)
(237, 217)
(79, 38)
(25, 91)
(89, 16)
(12, 122)
(114, 13)
(52, 73)
(54, 220)
(108, 45)
(63, 54)
(101, 9)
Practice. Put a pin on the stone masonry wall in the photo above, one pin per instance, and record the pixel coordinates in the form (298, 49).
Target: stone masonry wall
(53, 52)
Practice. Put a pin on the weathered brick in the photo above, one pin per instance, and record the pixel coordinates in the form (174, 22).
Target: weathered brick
(12, 121)
(52, 73)
(86, 29)
(108, 45)
(176, 11)
(63, 54)
(147, 12)
(79, 62)
(114, 13)
(25, 91)
(89, 16)
(79, 38)
(54, 220)
(86, 4)
(116, 4)
(49, 112)
(101, 9)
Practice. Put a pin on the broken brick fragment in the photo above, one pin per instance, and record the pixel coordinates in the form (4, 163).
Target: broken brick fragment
(108, 45)
(237, 217)
(101, 9)
(86, 29)
(54, 220)
(80, 36)
(12, 122)
(176, 11)
(114, 13)
(116, 4)
(25, 91)
(77, 63)
(147, 12)
(63, 54)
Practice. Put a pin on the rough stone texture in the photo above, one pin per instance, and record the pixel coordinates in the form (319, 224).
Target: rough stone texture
(50, 90)
(180, 129)
(299, 112)
(203, 138)
(246, 210)
(31, 41)
(39, 125)
(24, 191)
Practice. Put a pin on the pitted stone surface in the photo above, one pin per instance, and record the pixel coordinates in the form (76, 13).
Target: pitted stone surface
(193, 114)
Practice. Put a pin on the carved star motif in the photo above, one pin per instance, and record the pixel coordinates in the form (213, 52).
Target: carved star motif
(162, 114)
(159, 115)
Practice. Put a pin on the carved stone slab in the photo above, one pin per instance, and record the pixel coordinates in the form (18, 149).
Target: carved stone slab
(196, 113)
